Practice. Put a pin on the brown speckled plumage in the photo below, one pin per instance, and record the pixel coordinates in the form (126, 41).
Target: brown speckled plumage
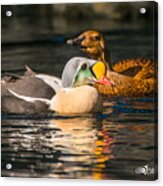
(128, 86)
(133, 67)
(131, 77)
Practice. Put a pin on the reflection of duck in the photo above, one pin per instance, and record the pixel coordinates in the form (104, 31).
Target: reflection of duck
(89, 145)
(78, 135)
(134, 77)
(77, 97)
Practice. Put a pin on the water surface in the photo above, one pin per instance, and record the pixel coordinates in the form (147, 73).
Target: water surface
(107, 145)
(110, 145)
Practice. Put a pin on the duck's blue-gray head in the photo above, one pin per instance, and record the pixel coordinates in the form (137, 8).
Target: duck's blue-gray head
(76, 71)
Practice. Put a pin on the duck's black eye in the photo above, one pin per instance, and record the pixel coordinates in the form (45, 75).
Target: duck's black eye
(84, 66)
(97, 38)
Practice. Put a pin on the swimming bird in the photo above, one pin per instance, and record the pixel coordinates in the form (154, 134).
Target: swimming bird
(135, 77)
(93, 44)
(75, 93)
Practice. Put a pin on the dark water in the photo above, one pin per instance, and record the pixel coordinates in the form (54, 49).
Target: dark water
(110, 145)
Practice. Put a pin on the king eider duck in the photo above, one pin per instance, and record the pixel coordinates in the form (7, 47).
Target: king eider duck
(133, 78)
(75, 93)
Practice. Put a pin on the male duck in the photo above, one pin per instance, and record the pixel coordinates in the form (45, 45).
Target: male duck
(136, 77)
(75, 96)
(30, 84)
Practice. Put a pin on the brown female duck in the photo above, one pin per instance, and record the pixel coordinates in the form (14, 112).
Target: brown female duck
(132, 77)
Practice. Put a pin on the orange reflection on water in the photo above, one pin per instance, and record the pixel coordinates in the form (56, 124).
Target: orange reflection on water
(81, 137)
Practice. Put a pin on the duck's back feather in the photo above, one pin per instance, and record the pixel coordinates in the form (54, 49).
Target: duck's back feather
(133, 67)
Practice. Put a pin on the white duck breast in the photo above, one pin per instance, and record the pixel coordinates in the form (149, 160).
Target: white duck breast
(83, 99)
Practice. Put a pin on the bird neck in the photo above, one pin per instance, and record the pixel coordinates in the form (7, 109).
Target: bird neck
(105, 57)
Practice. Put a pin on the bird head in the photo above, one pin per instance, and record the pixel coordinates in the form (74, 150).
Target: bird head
(90, 42)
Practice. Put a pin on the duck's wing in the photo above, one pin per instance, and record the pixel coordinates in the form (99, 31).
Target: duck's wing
(30, 93)
(54, 82)
(30, 86)
(9, 77)
(17, 104)
(128, 86)
(26, 96)
(29, 99)
(132, 67)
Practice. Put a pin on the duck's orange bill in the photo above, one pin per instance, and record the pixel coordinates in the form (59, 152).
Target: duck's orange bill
(104, 81)
(99, 69)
